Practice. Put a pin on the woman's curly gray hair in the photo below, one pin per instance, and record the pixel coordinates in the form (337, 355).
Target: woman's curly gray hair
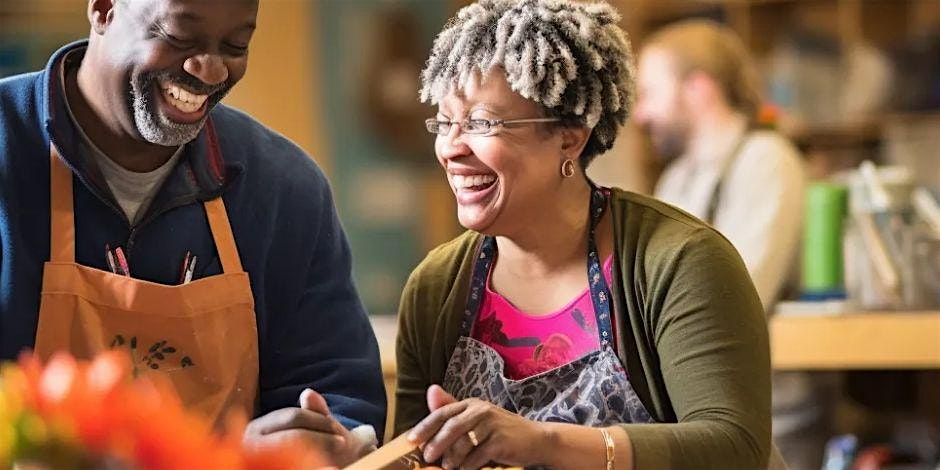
(570, 57)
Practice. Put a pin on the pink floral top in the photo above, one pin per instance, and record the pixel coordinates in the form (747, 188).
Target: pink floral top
(532, 344)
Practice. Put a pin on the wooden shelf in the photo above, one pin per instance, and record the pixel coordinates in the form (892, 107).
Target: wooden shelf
(836, 135)
(872, 340)
(846, 134)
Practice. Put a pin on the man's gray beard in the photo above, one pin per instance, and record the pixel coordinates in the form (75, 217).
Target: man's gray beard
(671, 146)
(153, 126)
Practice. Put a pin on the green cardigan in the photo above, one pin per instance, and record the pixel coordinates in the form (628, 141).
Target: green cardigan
(690, 330)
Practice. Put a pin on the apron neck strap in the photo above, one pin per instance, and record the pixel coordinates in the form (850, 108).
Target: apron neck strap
(597, 283)
(726, 166)
(62, 217)
(217, 215)
(222, 235)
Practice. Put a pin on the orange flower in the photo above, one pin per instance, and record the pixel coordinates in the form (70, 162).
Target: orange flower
(99, 410)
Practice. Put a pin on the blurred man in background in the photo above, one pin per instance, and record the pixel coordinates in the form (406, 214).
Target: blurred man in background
(698, 99)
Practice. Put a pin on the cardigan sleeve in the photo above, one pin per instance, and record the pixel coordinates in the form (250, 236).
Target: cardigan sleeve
(428, 321)
(707, 324)
(413, 375)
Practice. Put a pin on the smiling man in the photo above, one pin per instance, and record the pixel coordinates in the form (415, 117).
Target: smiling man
(138, 213)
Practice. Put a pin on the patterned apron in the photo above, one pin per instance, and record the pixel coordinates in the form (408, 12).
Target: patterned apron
(593, 390)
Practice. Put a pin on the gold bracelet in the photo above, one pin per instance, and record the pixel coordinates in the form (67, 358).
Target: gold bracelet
(609, 443)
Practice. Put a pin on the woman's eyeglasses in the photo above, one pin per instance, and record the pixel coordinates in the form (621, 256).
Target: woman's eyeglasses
(481, 127)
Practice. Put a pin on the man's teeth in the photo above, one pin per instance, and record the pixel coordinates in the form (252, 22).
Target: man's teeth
(470, 181)
(183, 100)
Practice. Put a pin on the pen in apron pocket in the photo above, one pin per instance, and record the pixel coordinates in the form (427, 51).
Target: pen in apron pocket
(122, 262)
(189, 272)
(109, 257)
(184, 267)
(189, 265)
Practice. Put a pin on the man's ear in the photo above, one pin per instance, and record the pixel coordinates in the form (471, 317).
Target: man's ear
(573, 140)
(100, 14)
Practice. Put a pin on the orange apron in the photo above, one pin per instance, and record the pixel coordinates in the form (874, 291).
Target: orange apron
(201, 336)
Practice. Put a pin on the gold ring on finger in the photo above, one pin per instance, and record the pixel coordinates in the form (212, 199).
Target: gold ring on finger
(473, 438)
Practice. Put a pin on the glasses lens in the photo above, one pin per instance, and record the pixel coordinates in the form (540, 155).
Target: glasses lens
(477, 126)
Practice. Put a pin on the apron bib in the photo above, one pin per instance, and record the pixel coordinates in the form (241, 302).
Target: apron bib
(593, 390)
(201, 336)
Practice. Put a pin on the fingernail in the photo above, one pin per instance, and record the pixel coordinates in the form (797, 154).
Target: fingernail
(303, 394)
(340, 439)
(412, 436)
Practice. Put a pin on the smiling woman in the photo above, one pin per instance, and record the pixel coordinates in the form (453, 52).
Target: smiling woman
(571, 325)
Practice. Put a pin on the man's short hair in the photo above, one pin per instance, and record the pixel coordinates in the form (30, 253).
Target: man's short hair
(706, 46)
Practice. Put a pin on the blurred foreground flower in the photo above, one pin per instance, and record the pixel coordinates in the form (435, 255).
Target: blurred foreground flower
(92, 415)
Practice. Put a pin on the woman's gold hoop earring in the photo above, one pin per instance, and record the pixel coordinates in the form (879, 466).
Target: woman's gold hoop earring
(567, 168)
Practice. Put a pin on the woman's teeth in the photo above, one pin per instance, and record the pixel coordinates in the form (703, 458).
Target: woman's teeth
(183, 100)
(472, 181)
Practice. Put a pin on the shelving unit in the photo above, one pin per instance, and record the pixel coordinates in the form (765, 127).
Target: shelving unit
(852, 340)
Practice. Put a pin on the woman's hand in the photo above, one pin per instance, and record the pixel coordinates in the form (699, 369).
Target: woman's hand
(501, 436)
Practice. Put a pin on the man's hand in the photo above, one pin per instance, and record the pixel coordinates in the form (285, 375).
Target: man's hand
(311, 423)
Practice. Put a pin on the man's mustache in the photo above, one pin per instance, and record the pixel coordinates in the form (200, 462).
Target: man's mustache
(190, 83)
